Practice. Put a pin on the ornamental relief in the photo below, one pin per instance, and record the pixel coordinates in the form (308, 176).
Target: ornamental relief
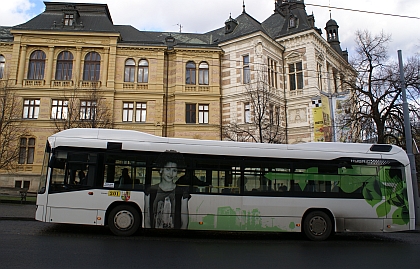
(297, 115)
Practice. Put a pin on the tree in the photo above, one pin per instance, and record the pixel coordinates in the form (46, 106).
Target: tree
(10, 128)
(81, 109)
(376, 94)
(263, 117)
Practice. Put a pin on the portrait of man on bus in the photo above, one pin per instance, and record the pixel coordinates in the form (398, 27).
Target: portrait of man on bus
(166, 203)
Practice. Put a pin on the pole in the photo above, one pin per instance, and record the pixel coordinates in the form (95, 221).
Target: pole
(409, 139)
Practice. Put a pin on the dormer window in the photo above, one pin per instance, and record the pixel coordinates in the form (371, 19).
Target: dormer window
(293, 21)
(68, 19)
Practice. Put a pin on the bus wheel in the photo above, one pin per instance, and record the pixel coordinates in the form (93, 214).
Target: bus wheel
(124, 220)
(317, 226)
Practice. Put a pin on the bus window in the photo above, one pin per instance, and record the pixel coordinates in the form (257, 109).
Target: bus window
(124, 171)
(72, 171)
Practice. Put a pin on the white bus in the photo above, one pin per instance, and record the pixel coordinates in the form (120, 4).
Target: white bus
(130, 180)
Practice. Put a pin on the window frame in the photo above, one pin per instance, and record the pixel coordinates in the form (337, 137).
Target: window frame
(36, 68)
(247, 112)
(2, 66)
(59, 109)
(129, 70)
(128, 111)
(26, 150)
(141, 112)
(190, 113)
(64, 68)
(92, 66)
(246, 69)
(203, 113)
(88, 111)
(143, 71)
(31, 108)
(190, 73)
(296, 76)
(203, 73)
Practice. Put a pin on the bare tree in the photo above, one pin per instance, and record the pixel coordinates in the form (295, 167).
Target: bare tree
(82, 109)
(376, 94)
(10, 128)
(263, 124)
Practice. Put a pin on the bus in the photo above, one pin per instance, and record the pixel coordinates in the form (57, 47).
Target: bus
(129, 180)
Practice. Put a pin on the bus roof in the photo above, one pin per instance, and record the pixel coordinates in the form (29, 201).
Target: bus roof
(135, 140)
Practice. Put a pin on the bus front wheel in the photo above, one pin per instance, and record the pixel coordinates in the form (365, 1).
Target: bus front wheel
(317, 226)
(124, 220)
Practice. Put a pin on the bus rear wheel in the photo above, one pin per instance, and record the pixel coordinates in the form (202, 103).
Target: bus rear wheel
(317, 226)
(124, 220)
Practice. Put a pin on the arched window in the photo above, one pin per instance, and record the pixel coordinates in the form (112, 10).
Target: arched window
(36, 65)
(143, 75)
(92, 66)
(203, 74)
(129, 70)
(2, 66)
(64, 66)
(190, 73)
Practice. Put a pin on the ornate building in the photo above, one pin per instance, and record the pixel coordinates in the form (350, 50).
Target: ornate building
(70, 66)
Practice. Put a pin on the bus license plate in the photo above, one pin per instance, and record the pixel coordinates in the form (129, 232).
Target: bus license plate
(114, 193)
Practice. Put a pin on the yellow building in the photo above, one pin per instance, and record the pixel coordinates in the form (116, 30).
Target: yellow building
(70, 66)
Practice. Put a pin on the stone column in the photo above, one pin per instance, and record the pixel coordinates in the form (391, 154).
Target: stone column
(50, 61)
(21, 67)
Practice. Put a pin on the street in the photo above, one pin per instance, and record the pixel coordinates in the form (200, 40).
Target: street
(41, 245)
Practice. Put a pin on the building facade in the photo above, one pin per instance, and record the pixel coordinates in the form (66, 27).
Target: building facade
(70, 67)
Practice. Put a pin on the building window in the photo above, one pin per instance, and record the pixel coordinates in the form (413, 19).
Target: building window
(2, 66)
(128, 109)
(190, 73)
(129, 70)
(92, 66)
(143, 74)
(277, 116)
(59, 109)
(36, 65)
(296, 76)
(319, 75)
(293, 21)
(271, 114)
(203, 74)
(272, 73)
(141, 112)
(64, 66)
(247, 113)
(128, 112)
(246, 70)
(190, 113)
(68, 19)
(26, 150)
(31, 108)
(203, 114)
(87, 110)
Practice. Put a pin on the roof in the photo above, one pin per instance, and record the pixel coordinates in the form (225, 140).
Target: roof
(245, 25)
(5, 35)
(139, 141)
(88, 17)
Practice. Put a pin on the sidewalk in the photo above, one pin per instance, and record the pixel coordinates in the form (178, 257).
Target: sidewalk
(17, 211)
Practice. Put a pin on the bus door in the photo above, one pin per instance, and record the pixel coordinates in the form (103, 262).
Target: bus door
(396, 207)
(71, 194)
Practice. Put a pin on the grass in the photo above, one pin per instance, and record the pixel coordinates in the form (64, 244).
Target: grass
(15, 198)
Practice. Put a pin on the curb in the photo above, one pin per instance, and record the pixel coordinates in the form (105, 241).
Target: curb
(18, 218)
(17, 202)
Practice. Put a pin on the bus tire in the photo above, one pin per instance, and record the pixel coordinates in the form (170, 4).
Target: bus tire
(317, 226)
(124, 220)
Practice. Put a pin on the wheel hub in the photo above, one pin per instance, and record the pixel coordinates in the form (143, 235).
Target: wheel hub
(124, 220)
(318, 225)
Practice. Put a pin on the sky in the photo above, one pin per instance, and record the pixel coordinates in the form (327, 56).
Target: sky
(200, 16)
